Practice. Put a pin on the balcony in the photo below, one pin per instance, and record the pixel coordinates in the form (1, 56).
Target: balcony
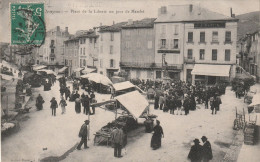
(189, 60)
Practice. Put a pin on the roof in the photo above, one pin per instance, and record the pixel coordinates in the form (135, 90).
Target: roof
(144, 23)
(123, 85)
(211, 70)
(113, 28)
(134, 102)
(181, 13)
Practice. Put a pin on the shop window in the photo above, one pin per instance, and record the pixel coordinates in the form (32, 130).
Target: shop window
(111, 49)
(158, 74)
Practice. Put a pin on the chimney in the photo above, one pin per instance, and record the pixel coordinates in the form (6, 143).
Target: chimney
(58, 28)
(130, 22)
(163, 10)
(190, 7)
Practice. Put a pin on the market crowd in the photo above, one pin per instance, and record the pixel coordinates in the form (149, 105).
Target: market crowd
(178, 96)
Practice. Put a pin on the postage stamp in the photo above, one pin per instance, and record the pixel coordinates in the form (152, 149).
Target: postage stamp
(27, 23)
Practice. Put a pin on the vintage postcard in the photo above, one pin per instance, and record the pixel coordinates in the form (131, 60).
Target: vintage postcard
(130, 80)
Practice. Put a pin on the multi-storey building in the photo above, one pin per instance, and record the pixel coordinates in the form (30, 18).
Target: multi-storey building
(249, 53)
(137, 49)
(88, 49)
(109, 49)
(202, 40)
(52, 51)
(71, 54)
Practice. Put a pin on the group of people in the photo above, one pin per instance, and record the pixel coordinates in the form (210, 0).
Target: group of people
(85, 100)
(199, 152)
(179, 96)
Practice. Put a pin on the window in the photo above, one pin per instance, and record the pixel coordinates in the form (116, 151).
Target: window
(202, 37)
(214, 36)
(112, 36)
(214, 54)
(84, 62)
(101, 49)
(81, 51)
(176, 29)
(228, 37)
(75, 52)
(111, 49)
(227, 55)
(84, 51)
(75, 62)
(175, 43)
(52, 59)
(163, 43)
(52, 42)
(158, 74)
(150, 44)
(163, 30)
(202, 54)
(190, 37)
(111, 63)
(189, 53)
(80, 62)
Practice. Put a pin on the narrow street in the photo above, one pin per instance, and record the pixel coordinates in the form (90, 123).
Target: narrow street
(43, 135)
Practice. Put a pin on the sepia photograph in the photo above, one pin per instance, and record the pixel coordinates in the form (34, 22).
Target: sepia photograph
(130, 80)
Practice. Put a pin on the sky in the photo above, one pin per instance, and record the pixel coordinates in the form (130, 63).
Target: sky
(84, 21)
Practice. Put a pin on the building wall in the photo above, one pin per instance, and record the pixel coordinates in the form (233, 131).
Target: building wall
(138, 45)
(208, 46)
(71, 55)
(59, 36)
(91, 52)
(104, 55)
(169, 34)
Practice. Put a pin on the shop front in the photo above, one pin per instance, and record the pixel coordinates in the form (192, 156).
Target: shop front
(210, 74)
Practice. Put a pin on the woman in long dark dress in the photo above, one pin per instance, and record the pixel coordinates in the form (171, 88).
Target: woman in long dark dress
(157, 136)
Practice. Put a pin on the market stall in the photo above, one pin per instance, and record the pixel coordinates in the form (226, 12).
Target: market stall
(125, 87)
(131, 106)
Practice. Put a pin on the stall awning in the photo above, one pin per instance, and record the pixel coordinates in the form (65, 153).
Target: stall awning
(78, 69)
(39, 67)
(134, 102)
(88, 70)
(48, 72)
(211, 70)
(62, 69)
(123, 85)
(6, 77)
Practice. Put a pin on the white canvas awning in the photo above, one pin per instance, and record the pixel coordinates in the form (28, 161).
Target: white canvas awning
(123, 85)
(134, 102)
(48, 71)
(88, 70)
(39, 67)
(62, 69)
(211, 70)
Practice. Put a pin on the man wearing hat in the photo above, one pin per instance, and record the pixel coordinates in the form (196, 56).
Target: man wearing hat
(195, 154)
(83, 133)
(206, 150)
(54, 105)
(117, 138)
